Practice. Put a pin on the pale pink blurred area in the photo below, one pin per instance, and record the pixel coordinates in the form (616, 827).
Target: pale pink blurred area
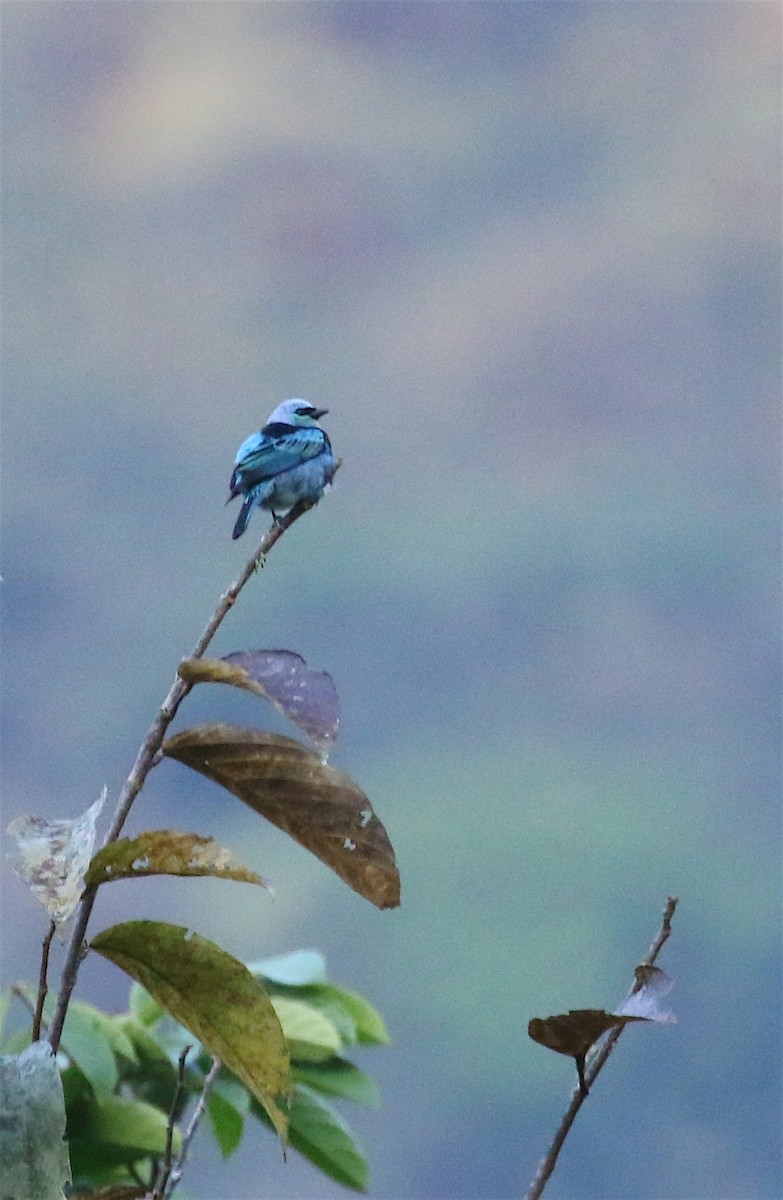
(528, 256)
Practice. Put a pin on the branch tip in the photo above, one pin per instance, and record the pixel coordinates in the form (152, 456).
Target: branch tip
(596, 1060)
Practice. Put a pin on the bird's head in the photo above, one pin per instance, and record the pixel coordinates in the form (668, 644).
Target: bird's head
(296, 412)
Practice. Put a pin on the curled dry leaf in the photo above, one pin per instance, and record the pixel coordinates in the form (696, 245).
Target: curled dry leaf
(319, 807)
(307, 697)
(167, 852)
(645, 1003)
(53, 856)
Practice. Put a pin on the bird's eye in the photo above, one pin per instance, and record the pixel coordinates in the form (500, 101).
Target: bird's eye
(305, 410)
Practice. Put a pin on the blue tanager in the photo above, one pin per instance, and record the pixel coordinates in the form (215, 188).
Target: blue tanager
(289, 460)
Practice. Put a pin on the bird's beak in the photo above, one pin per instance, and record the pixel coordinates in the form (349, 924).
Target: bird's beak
(320, 412)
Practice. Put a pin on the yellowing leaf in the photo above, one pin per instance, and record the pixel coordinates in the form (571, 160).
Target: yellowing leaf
(319, 807)
(214, 996)
(167, 852)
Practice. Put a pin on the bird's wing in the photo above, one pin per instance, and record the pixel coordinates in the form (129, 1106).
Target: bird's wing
(276, 448)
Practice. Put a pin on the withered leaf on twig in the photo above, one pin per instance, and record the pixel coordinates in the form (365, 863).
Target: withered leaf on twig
(574, 1032)
(52, 857)
(307, 697)
(652, 984)
(167, 852)
(321, 808)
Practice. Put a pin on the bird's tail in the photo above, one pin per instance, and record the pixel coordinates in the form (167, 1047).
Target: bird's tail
(244, 517)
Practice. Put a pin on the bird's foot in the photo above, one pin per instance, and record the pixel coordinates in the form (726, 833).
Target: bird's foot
(260, 562)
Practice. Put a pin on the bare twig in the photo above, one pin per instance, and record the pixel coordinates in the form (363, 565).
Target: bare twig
(147, 756)
(595, 1064)
(175, 1174)
(168, 1157)
(42, 986)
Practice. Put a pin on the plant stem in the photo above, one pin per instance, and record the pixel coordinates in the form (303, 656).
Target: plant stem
(146, 758)
(595, 1064)
(168, 1157)
(175, 1173)
(42, 985)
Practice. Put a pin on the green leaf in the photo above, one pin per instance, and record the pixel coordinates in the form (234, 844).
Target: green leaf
(310, 1035)
(319, 807)
(113, 1191)
(143, 1007)
(111, 1183)
(339, 1077)
(232, 1090)
(90, 1039)
(226, 1122)
(294, 970)
(75, 1086)
(113, 1028)
(227, 1106)
(174, 1038)
(321, 1134)
(214, 996)
(87, 1045)
(167, 852)
(86, 1040)
(115, 1130)
(33, 1154)
(354, 1016)
(153, 1076)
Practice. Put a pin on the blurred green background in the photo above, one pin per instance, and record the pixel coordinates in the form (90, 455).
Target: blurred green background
(528, 256)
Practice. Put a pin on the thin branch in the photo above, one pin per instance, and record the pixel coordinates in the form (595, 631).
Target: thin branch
(147, 756)
(168, 1157)
(175, 1174)
(42, 985)
(595, 1064)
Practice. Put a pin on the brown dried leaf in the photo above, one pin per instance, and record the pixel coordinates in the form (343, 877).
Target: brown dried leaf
(167, 852)
(319, 807)
(307, 697)
(574, 1032)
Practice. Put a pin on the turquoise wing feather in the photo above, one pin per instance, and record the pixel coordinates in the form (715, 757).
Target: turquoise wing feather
(265, 454)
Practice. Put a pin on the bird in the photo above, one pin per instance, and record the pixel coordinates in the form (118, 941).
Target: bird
(289, 460)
